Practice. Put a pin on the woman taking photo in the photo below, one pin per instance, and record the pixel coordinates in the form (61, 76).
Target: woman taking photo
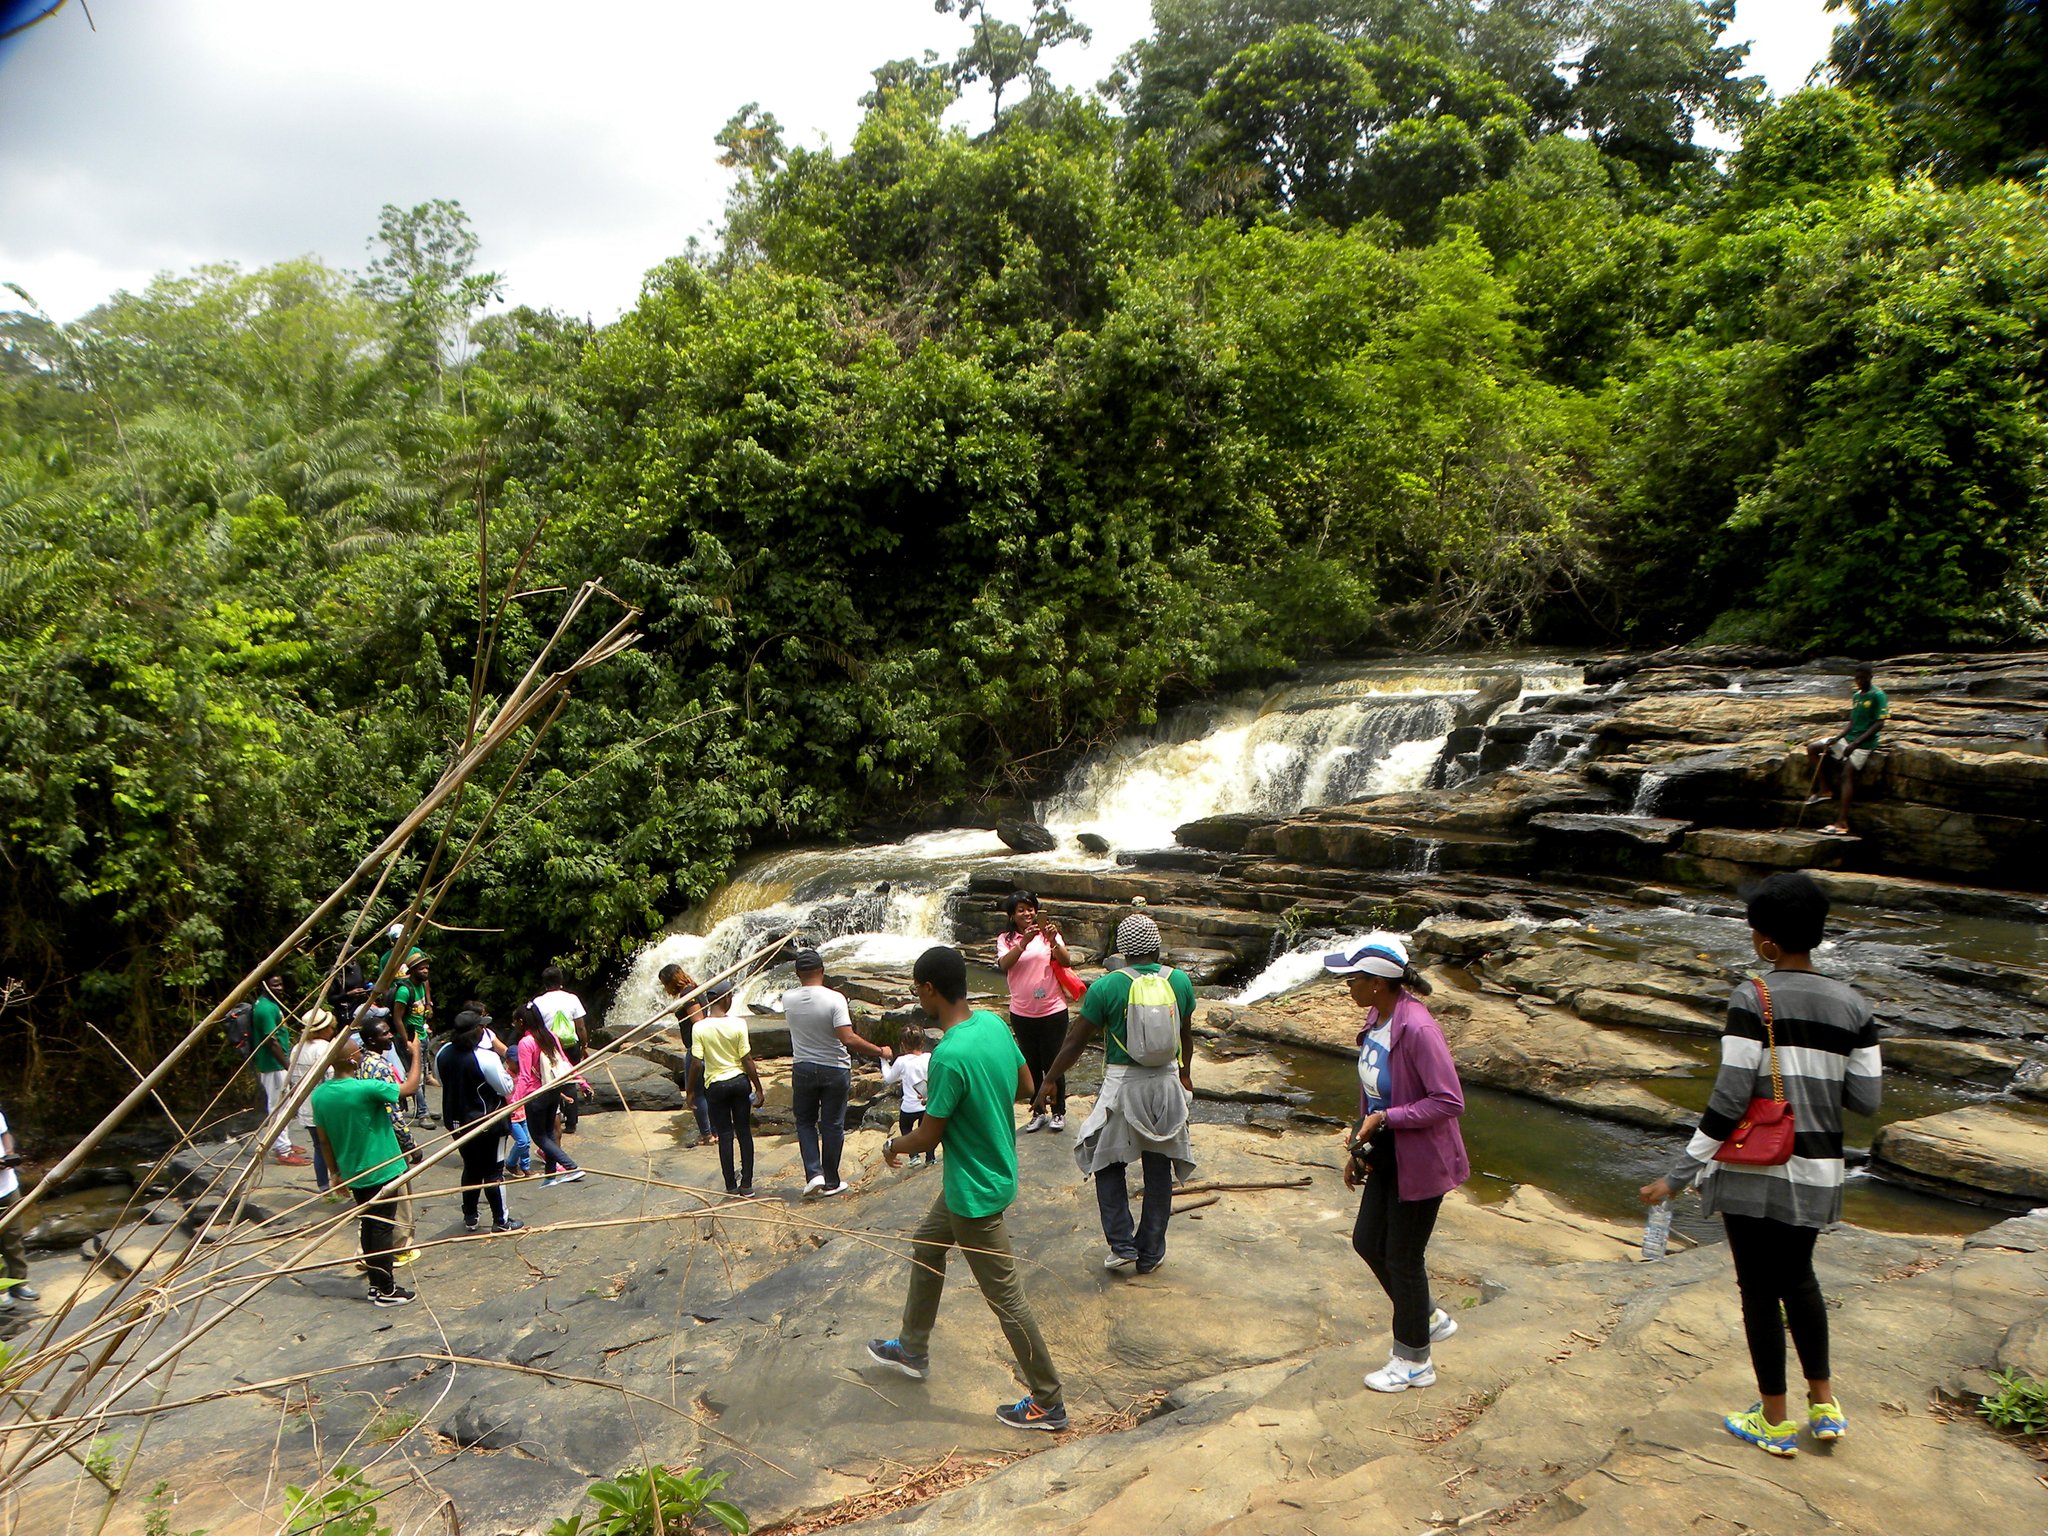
(1774, 1210)
(1027, 951)
(1406, 1151)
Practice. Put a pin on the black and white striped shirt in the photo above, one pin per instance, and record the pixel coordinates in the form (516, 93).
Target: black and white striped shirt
(1828, 1056)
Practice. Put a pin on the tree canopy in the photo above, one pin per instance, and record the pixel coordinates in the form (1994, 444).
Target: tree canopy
(1330, 324)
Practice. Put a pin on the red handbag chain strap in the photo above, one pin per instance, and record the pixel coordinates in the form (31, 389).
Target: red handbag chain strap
(1763, 993)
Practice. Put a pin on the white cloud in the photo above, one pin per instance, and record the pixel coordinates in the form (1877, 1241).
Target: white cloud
(579, 137)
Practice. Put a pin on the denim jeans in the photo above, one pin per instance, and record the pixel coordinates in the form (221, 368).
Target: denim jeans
(818, 1095)
(520, 1158)
(1113, 1201)
(319, 1164)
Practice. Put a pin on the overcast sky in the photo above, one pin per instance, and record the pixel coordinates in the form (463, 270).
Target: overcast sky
(577, 135)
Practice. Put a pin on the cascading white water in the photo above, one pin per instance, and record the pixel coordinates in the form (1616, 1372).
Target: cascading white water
(1294, 969)
(1334, 735)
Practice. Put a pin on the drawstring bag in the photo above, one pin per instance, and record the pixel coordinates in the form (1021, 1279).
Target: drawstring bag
(1765, 1135)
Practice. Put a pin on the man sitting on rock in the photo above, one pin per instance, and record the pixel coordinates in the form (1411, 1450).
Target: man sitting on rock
(1146, 1013)
(977, 1073)
(1850, 751)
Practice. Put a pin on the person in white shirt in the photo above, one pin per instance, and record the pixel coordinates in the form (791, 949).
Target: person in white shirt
(822, 1041)
(562, 1011)
(909, 1070)
(13, 1252)
(309, 1057)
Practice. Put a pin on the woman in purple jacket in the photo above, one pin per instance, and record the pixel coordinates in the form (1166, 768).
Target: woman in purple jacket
(1406, 1152)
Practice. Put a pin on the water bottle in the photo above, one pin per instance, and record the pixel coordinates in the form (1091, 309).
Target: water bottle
(1657, 1231)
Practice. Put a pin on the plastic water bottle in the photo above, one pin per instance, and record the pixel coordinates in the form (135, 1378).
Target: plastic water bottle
(1657, 1231)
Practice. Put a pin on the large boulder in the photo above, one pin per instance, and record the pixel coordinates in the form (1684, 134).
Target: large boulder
(630, 1082)
(1985, 1148)
(1494, 696)
(1027, 836)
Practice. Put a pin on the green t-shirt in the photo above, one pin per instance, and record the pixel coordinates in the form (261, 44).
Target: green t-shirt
(1103, 1006)
(1866, 708)
(355, 1112)
(408, 1004)
(972, 1086)
(273, 1051)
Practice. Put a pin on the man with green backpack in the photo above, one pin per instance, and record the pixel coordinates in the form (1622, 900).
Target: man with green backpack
(1146, 1012)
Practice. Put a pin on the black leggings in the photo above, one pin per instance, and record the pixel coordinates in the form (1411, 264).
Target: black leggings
(482, 1167)
(540, 1125)
(1392, 1236)
(1774, 1268)
(1040, 1040)
(732, 1122)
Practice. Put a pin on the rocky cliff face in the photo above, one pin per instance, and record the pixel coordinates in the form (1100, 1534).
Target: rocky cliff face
(1576, 848)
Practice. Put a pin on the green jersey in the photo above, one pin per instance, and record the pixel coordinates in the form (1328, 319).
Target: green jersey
(273, 1051)
(1104, 1002)
(355, 1115)
(972, 1086)
(1868, 708)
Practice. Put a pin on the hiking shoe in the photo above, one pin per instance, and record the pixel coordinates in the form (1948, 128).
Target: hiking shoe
(814, 1187)
(1117, 1263)
(1827, 1421)
(891, 1353)
(509, 1224)
(1037, 1123)
(1398, 1375)
(1778, 1439)
(469, 1223)
(397, 1296)
(1056, 1123)
(1441, 1326)
(1146, 1269)
(1029, 1413)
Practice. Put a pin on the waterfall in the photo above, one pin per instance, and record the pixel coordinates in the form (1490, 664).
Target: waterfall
(1649, 790)
(1294, 968)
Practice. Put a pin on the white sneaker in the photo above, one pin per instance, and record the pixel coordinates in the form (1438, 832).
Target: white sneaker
(1441, 1326)
(1116, 1262)
(841, 1188)
(815, 1187)
(1400, 1375)
(1037, 1123)
(1058, 1122)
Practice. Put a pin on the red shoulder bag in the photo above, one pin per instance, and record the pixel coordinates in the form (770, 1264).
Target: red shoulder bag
(1765, 1136)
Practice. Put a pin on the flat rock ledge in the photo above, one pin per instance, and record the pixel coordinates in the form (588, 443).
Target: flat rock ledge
(1582, 1390)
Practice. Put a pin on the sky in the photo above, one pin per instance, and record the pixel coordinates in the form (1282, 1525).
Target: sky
(577, 134)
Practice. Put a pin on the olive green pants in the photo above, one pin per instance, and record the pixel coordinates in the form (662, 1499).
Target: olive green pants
(986, 1243)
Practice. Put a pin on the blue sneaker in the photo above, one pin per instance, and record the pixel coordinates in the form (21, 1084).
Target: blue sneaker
(891, 1353)
(1029, 1413)
(1826, 1421)
(1778, 1439)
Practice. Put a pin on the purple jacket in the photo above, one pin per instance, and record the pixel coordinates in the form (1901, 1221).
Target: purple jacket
(1424, 1102)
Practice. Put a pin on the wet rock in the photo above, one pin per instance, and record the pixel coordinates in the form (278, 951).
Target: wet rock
(57, 1233)
(1637, 1011)
(1494, 696)
(1985, 1148)
(1026, 836)
(1463, 939)
(1768, 850)
(1092, 842)
(628, 1082)
(1966, 1061)
(1606, 842)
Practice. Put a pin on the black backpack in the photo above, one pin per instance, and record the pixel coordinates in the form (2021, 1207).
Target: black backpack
(240, 1025)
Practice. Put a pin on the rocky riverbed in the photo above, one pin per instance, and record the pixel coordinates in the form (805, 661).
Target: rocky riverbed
(640, 1320)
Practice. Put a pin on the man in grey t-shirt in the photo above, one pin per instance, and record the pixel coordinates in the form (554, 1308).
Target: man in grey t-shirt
(821, 1036)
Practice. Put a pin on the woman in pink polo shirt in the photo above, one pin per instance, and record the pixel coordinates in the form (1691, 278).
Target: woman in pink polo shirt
(1027, 951)
(1406, 1152)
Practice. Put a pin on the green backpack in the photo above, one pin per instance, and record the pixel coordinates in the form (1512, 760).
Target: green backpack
(1151, 1020)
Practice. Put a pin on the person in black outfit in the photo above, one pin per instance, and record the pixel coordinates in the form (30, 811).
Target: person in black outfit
(474, 1090)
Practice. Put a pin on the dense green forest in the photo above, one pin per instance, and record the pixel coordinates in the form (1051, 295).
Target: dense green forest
(1326, 324)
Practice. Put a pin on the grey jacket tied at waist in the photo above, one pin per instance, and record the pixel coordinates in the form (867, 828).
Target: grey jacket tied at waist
(1140, 1109)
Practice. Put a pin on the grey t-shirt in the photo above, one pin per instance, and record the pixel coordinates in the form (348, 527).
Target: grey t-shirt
(815, 1015)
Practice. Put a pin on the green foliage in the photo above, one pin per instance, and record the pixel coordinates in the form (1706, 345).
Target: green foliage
(2020, 1405)
(347, 1508)
(156, 1519)
(1366, 321)
(647, 1501)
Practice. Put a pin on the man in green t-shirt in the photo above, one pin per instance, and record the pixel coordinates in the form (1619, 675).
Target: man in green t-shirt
(975, 1077)
(1850, 751)
(271, 1052)
(412, 1020)
(352, 1118)
(1141, 1112)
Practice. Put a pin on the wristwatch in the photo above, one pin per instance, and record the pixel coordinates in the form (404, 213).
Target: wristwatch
(888, 1146)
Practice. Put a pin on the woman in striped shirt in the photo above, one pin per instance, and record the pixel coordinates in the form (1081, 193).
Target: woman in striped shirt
(1828, 1058)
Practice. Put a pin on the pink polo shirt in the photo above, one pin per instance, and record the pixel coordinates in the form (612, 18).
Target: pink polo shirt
(1033, 992)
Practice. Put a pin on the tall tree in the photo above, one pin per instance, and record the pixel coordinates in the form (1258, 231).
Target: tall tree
(1001, 52)
(426, 276)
